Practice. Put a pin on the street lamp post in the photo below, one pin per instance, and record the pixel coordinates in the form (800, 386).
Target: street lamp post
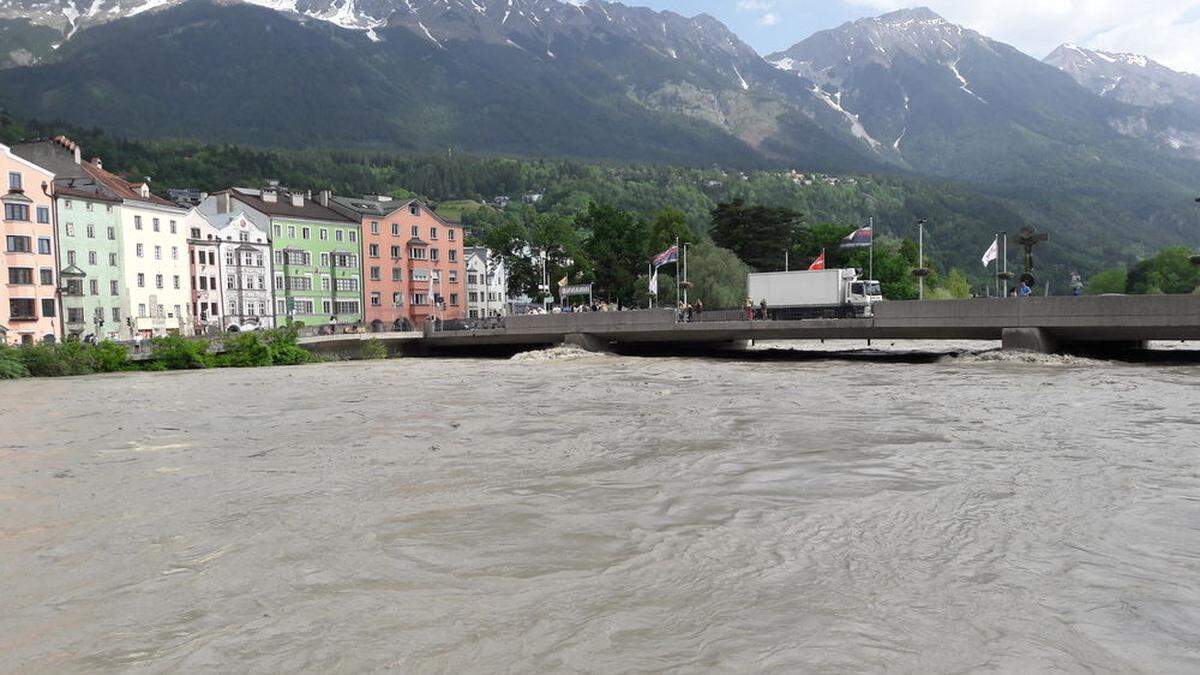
(920, 272)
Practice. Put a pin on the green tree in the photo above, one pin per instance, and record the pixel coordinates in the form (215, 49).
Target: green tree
(615, 247)
(666, 227)
(759, 235)
(1109, 281)
(1171, 271)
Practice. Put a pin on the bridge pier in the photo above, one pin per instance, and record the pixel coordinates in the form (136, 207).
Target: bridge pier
(1036, 340)
(586, 341)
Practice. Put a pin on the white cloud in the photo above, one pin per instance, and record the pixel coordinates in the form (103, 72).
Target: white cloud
(754, 5)
(768, 19)
(1164, 30)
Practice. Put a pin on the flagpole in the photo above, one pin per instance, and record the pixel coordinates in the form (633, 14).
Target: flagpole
(871, 271)
(677, 279)
(1004, 272)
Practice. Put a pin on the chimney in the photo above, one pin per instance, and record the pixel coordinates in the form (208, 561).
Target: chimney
(324, 198)
(78, 155)
(223, 202)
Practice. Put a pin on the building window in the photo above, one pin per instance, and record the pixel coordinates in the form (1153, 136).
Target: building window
(91, 231)
(44, 245)
(374, 227)
(177, 311)
(114, 287)
(373, 250)
(353, 235)
(173, 230)
(375, 300)
(22, 276)
(324, 234)
(155, 225)
(116, 314)
(450, 233)
(291, 231)
(397, 299)
(43, 214)
(112, 259)
(395, 229)
(452, 255)
(94, 286)
(14, 181)
(112, 233)
(175, 253)
(48, 309)
(414, 209)
(433, 254)
(418, 298)
(158, 281)
(66, 204)
(175, 279)
(142, 309)
(141, 282)
(278, 230)
(454, 299)
(397, 274)
(139, 250)
(16, 212)
(69, 229)
(420, 275)
(87, 206)
(348, 284)
(70, 257)
(47, 276)
(137, 225)
(305, 233)
(338, 235)
(91, 257)
(158, 252)
(374, 274)
(416, 253)
(416, 231)
(22, 309)
(158, 311)
(17, 244)
(453, 275)
(433, 233)
(346, 306)
(395, 253)
(324, 260)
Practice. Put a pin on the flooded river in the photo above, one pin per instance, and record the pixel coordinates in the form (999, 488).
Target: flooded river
(605, 514)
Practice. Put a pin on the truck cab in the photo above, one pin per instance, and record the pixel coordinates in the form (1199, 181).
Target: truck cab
(862, 293)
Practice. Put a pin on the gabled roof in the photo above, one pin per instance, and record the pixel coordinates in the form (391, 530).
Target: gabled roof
(283, 208)
(123, 188)
(84, 188)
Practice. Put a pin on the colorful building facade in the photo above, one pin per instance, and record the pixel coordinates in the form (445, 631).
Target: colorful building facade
(487, 284)
(413, 262)
(29, 306)
(315, 252)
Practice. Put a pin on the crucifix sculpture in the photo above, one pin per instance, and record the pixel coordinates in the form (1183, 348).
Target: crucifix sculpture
(1028, 239)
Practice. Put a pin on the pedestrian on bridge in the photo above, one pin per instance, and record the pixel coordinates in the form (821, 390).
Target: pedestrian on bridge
(1024, 291)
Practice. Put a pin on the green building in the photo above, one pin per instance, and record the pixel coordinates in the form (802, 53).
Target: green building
(316, 252)
(91, 259)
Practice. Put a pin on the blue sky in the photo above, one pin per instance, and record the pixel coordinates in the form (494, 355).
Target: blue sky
(1165, 30)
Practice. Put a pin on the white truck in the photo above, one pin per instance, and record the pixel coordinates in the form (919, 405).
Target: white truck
(807, 294)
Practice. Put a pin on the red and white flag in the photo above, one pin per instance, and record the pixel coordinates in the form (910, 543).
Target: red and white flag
(819, 263)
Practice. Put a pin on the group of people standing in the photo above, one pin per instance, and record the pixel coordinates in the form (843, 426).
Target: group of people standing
(686, 312)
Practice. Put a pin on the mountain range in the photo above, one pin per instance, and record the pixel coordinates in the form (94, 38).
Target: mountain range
(1105, 146)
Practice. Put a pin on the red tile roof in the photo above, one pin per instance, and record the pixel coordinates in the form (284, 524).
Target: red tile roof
(121, 187)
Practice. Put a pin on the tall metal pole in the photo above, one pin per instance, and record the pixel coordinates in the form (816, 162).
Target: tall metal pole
(785, 261)
(678, 273)
(921, 259)
(871, 255)
(1004, 267)
(685, 279)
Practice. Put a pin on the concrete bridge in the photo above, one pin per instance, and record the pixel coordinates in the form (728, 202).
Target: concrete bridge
(1035, 324)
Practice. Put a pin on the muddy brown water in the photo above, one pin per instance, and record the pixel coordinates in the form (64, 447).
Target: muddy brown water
(605, 514)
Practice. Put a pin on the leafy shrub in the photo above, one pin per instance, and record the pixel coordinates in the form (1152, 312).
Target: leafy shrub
(178, 353)
(281, 343)
(109, 357)
(11, 365)
(374, 349)
(244, 350)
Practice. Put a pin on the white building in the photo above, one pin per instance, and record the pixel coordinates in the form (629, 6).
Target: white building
(204, 247)
(156, 269)
(246, 271)
(487, 283)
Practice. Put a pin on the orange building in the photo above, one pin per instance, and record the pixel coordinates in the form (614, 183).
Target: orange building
(413, 263)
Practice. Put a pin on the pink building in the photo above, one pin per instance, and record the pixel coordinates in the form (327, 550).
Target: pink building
(29, 309)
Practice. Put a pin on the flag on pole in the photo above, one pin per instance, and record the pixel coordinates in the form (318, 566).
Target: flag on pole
(860, 238)
(654, 282)
(819, 263)
(992, 253)
(668, 256)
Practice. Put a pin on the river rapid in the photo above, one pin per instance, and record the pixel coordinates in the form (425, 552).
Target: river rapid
(568, 513)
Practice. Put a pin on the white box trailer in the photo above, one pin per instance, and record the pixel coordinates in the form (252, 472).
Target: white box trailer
(813, 293)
